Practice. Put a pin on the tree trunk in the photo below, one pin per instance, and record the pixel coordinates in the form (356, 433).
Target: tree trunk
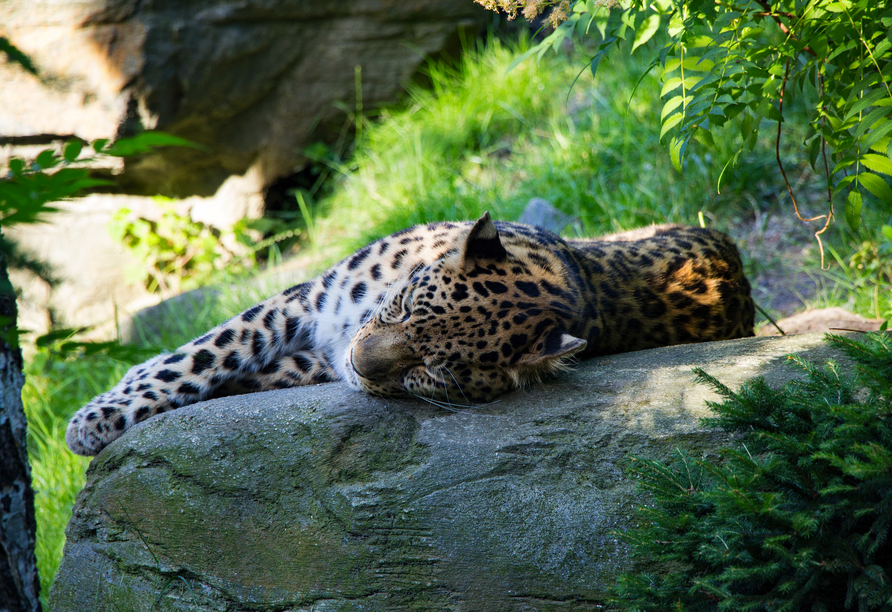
(19, 583)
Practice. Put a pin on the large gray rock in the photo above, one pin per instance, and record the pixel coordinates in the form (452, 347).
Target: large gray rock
(323, 498)
(250, 79)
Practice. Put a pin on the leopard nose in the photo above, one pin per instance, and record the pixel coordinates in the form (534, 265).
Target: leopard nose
(378, 355)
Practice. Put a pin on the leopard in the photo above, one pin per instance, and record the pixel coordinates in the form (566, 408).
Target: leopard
(455, 313)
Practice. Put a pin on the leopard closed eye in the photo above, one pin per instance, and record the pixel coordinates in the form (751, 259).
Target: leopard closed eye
(451, 312)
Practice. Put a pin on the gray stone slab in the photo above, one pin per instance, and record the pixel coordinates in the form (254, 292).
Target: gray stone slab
(323, 498)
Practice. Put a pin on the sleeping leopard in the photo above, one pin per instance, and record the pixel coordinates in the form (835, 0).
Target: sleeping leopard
(455, 313)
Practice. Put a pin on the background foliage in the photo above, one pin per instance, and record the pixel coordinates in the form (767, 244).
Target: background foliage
(30, 188)
(747, 61)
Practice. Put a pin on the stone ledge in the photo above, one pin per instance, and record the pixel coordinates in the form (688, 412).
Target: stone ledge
(323, 498)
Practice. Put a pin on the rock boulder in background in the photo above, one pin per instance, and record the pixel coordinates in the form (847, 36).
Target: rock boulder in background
(821, 320)
(324, 498)
(255, 81)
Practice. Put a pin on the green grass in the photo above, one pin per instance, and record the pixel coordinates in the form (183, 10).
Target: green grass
(482, 138)
(52, 392)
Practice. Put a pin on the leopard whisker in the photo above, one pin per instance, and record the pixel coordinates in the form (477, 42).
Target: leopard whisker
(458, 386)
(436, 374)
(450, 406)
(435, 403)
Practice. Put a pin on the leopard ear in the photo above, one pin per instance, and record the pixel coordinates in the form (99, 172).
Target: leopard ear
(550, 347)
(483, 242)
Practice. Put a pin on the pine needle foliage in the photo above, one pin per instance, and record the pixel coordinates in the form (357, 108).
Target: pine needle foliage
(796, 517)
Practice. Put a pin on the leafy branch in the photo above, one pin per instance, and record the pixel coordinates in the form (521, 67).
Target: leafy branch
(29, 189)
(742, 60)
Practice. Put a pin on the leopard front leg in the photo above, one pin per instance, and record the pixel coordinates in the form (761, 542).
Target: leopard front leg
(265, 347)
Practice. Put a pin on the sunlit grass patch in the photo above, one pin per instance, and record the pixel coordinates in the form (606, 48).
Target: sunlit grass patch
(487, 138)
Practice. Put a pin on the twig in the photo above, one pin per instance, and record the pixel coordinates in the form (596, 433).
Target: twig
(38, 139)
(826, 172)
(770, 320)
(780, 164)
(776, 15)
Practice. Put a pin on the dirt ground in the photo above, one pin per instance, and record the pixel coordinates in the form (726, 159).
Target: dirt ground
(784, 262)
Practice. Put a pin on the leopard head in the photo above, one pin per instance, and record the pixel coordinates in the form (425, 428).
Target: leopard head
(481, 320)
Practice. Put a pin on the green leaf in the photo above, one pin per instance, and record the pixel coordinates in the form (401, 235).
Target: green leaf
(845, 162)
(600, 17)
(698, 107)
(56, 335)
(868, 100)
(705, 136)
(814, 149)
(620, 32)
(646, 31)
(768, 110)
(837, 7)
(749, 130)
(556, 38)
(877, 163)
(46, 159)
(16, 56)
(746, 126)
(875, 116)
(676, 150)
(146, 141)
(670, 105)
(877, 186)
(545, 44)
(16, 166)
(853, 209)
(602, 52)
(676, 24)
(675, 82)
(843, 182)
(754, 138)
(691, 62)
(670, 123)
(72, 150)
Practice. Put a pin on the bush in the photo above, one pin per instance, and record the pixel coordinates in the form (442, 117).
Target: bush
(797, 517)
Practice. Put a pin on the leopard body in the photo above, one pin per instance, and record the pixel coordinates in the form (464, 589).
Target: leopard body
(455, 313)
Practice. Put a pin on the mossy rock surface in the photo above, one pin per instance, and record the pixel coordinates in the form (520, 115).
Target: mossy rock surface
(323, 498)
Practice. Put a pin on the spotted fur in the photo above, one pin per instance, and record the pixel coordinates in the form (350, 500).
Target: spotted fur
(455, 313)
